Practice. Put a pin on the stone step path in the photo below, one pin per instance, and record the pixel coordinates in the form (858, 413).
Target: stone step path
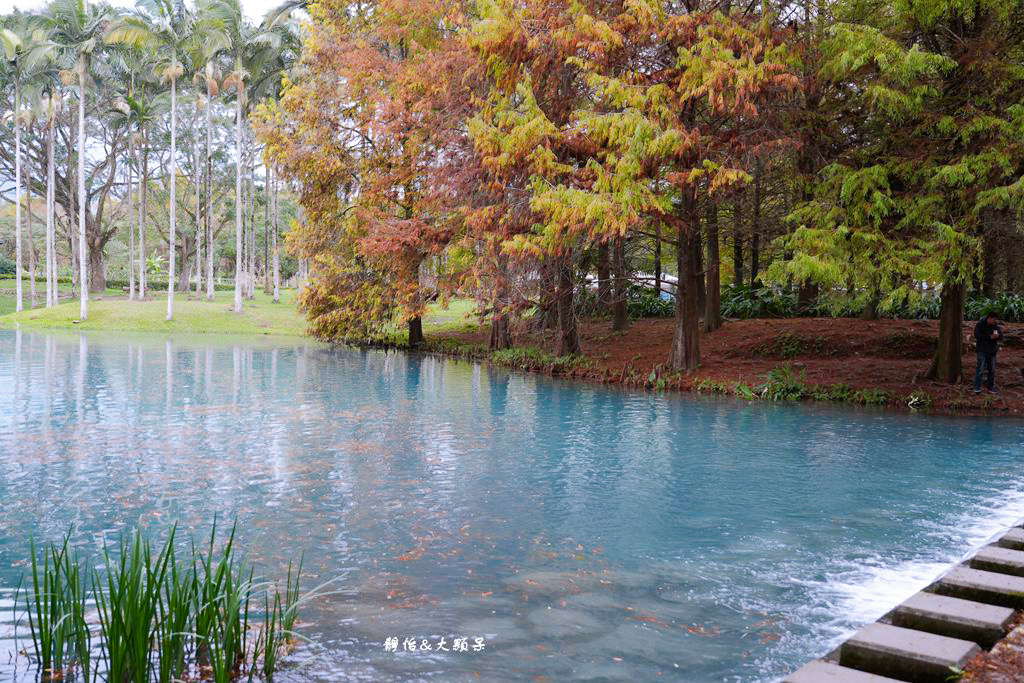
(936, 631)
(994, 558)
(955, 617)
(905, 653)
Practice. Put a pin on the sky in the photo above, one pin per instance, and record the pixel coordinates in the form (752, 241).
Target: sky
(254, 9)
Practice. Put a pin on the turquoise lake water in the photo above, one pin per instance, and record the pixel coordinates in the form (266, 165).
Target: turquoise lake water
(584, 533)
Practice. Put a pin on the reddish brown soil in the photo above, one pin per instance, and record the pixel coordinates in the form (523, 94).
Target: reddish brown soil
(891, 355)
(1004, 663)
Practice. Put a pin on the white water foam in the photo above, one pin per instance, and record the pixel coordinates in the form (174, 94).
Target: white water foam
(864, 593)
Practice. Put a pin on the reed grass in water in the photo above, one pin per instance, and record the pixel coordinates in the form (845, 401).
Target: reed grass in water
(161, 617)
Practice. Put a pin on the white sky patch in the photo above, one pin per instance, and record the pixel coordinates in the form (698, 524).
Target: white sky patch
(254, 9)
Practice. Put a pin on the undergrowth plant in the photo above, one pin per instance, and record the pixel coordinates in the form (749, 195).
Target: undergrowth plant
(162, 616)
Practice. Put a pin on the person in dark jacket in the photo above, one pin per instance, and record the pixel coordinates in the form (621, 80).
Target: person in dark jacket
(986, 337)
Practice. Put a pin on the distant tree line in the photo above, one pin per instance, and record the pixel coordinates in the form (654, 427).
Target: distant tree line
(127, 136)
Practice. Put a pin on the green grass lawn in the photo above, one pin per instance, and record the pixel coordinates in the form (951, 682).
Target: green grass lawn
(456, 318)
(113, 311)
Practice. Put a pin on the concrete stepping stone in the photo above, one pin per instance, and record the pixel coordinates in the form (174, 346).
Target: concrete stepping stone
(904, 653)
(954, 617)
(983, 586)
(996, 559)
(820, 671)
(1014, 538)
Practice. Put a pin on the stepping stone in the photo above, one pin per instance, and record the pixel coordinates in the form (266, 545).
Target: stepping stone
(1003, 560)
(948, 616)
(820, 671)
(1014, 538)
(904, 653)
(982, 586)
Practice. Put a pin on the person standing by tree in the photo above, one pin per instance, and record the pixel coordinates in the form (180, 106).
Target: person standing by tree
(986, 337)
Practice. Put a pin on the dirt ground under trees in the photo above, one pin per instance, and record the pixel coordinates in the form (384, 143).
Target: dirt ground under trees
(890, 356)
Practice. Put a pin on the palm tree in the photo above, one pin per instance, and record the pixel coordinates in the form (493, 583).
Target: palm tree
(168, 27)
(212, 88)
(15, 47)
(202, 55)
(77, 30)
(243, 41)
(280, 55)
(52, 112)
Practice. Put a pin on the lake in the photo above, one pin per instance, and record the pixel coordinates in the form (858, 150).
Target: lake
(579, 532)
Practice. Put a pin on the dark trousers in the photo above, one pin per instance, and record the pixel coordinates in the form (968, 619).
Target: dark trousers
(986, 361)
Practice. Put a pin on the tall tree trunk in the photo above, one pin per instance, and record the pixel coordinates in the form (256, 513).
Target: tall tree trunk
(31, 249)
(604, 288)
(947, 364)
(277, 257)
(18, 304)
(685, 354)
(989, 248)
(174, 195)
(568, 337)
(702, 293)
(547, 314)
(238, 196)
(185, 268)
(620, 313)
(83, 277)
(143, 217)
(251, 223)
(737, 240)
(70, 213)
(97, 273)
(197, 169)
(657, 257)
(208, 186)
(267, 285)
(755, 227)
(415, 332)
(52, 296)
(807, 294)
(500, 337)
(131, 221)
(713, 285)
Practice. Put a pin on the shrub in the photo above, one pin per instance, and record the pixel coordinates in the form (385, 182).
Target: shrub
(641, 302)
(1007, 306)
(870, 397)
(919, 400)
(7, 265)
(530, 358)
(740, 301)
(644, 302)
(783, 383)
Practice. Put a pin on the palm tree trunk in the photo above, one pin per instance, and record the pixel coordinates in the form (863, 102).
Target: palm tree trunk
(238, 197)
(131, 223)
(31, 248)
(17, 197)
(174, 196)
(266, 229)
(51, 246)
(142, 213)
(83, 277)
(208, 183)
(199, 200)
(277, 257)
(251, 279)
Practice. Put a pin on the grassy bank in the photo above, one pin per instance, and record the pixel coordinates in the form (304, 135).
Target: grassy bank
(113, 311)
